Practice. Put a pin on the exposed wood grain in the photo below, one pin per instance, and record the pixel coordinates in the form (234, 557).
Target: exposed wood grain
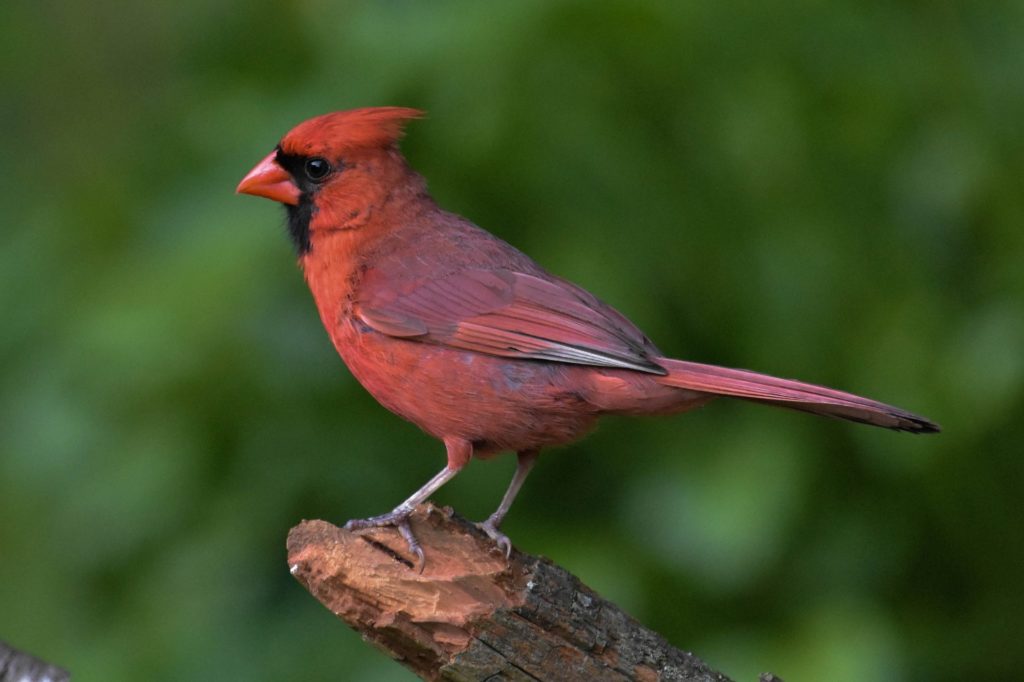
(473, 615)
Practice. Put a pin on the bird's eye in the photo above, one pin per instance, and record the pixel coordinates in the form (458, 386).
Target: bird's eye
(317, 169)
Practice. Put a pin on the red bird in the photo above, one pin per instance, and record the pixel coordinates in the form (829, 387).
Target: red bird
(465, 336)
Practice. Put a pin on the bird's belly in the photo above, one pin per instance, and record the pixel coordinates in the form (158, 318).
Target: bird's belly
(496, 403)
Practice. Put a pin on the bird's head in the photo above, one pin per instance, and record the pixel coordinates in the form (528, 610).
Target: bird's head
(329, 171)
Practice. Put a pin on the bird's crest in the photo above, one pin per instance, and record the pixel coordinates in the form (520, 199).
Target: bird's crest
(340, 131)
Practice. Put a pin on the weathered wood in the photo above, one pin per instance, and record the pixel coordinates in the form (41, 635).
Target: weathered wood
(473, 615)
(17, 666)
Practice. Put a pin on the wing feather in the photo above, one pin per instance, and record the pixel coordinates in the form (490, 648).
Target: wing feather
(509, 314)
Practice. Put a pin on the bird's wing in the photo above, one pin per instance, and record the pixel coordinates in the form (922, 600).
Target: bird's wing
(509, 314)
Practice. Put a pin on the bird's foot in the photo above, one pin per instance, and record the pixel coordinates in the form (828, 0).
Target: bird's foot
(398, 518)
(490, 526)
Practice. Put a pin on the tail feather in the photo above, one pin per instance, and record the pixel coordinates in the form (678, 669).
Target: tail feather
(796, 395)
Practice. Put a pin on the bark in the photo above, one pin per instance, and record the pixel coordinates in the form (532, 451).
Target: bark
(473, 615)
(17, 666)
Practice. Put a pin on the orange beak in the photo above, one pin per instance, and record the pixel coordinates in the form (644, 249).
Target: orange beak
(269, 180)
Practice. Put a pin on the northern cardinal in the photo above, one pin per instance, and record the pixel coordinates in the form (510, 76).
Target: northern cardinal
(465, 336)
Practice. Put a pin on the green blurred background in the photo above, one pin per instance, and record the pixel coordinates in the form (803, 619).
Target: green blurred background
(830, 191)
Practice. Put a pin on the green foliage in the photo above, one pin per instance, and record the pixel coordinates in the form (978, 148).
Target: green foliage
(830, 191)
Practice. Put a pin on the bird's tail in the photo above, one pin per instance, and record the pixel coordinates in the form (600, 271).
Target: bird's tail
(739, 383)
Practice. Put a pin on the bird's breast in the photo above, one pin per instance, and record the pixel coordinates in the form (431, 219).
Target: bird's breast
(497, 403)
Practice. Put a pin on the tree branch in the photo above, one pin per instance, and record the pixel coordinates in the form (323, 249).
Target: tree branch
(472, 615)
(17, 666)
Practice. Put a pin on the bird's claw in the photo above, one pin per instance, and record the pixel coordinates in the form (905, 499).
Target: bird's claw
(398, 518)
(500, 538)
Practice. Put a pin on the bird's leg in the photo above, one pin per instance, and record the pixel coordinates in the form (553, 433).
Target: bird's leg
(459, 452)
(399, 516)
(525, 462)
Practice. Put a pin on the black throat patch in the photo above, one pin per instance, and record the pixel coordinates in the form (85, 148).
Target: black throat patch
(298, 223)
(300, 214)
